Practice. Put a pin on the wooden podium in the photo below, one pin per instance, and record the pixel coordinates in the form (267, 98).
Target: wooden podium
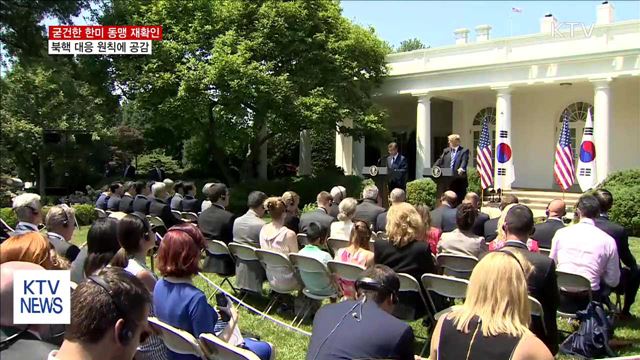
(379, 176)
(442, 177)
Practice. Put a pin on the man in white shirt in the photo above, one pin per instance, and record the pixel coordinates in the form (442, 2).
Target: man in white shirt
(28, 211)
(585, 250)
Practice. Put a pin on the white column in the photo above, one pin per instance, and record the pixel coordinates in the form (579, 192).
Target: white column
(503, 105)
(344, 149)
(423, 134)
(358, 156)
(601, 126)
(503, 123)
(304, 158)
(262, 159)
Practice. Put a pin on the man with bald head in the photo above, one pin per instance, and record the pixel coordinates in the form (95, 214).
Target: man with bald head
(19, 341)
(444, 216)
(545, 231)
(478, 225)
(396, 196)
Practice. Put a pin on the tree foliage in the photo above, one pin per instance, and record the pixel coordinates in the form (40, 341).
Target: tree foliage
(230, 75)
(410, 45)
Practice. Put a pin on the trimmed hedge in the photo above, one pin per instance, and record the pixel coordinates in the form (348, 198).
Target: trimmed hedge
(625, 188)
(422, 191)
(84, 214)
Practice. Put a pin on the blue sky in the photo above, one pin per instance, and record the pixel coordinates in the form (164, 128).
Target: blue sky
(433, 22)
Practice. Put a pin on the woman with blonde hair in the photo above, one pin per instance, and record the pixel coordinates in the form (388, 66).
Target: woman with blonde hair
(292, 218)
(34, 248)
(356, 253)
(493, 321)
(431, 234)
(277, 237)
(341, 229)
(499, 242)
(400, 251)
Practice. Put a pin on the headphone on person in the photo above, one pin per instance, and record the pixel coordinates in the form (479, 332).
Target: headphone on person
(367, 283)
(504, 226)
(126, 334)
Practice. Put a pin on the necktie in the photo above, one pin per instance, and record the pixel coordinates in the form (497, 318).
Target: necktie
(453, 157)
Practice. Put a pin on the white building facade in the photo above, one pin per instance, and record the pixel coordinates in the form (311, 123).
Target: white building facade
(533, 80)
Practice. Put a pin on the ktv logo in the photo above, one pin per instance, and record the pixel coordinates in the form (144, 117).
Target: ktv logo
(42, 297)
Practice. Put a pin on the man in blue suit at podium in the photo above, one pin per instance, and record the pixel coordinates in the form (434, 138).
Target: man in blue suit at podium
(397, 167)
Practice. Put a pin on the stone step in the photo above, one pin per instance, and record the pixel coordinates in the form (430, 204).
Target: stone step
(536, 200)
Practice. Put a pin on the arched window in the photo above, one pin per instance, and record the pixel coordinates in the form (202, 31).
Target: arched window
(490, 114)
(577, 115)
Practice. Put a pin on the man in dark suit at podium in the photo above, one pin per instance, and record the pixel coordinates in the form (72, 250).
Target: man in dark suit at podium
(397, 167)
(456, 158)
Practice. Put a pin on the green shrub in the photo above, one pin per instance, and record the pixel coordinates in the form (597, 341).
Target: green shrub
(85, 214)
(309, 207)
(9, 216)
(625, 188)
(474, 181)
(147, 161)
(421, 191)
(625, 178)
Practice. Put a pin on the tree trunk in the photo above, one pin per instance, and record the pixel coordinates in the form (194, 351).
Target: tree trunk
(41, 178)
(216, 154)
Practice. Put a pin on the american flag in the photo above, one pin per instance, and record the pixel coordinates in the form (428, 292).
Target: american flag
(563, 168)
(484, 157)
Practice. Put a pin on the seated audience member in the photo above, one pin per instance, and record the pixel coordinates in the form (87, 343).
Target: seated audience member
(246, 230)
(158, 207)
(102, 246)
(491, 226)
(169, 186)
(338, 193)
(320, 215)
(462, 241)
(368, 210)
(136, 238)
(585, 250)
(545, 231)
(363, 328)
(478, 225)
(431, 234)
(157, 173)
(206, 203)
(109, 318)
(189, 202)
(542, 282)
(103, 198)
(629, 275)
(493, 321)
(402, 252)
(19, 341)
(292, 218)
(28, 211)
(176, 199)
(356, 253)
(444, 216)
(275, 236)
(341, 229)
(397, 196)
(116, 195)
(317, 237)
(180, 303)
(34, 248)
(142, 202)
(216, 223)
(61, 223)
(499, 241)
(130, 191)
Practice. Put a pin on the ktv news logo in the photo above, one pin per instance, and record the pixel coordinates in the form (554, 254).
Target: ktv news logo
(42, 297)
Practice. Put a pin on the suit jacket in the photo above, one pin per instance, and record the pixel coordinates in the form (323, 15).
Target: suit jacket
(141, 204)
(160, 209)
(126, 204)
(190, 204)
(491, 229)
(368, 210)
(246, 229)
(319, 216)
(414, 258)
(156, 174)
(292, 223)
(545, 231)
(381, 222)
(216, 223)
(26, 346)
(334, 210)
(444, 218)
(478, 225)
(130, 172)
(101, 202)
(114, 203)
(543, 286)
(397, 171)
(619, 234)
(458, 243)
(460, 162)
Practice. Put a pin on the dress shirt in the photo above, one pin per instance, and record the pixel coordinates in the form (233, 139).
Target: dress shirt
(585, 250)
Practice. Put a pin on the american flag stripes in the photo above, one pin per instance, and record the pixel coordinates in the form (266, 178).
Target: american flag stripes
(484, 157)
(563, 168)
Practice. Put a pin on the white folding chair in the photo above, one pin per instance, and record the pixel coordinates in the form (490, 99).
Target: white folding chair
(280, 274)
(177, 214)
(6, 226)
(446, 286)
(177, 340)
(345, 271)
(308, 266)
(572, 285)
(192, 217)
(100, 213)
(219, 248)
(118, 215)
(545, 251)
(215, 348)
(246, 254)
(302, 240)
(337, 244)
(156, 222)
(409, 284)
(537, 311)
(459, 266)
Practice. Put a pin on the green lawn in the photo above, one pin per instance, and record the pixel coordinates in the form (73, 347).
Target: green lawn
(293, 346)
